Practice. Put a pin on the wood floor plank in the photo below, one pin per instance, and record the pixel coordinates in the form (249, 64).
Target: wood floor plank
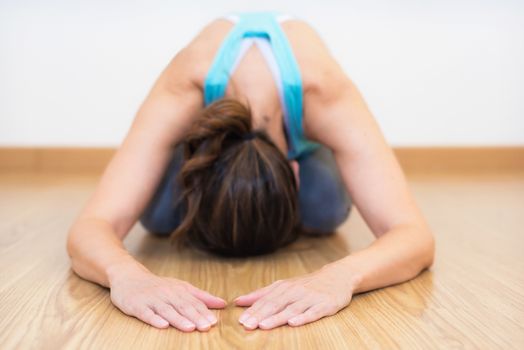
(473, 297)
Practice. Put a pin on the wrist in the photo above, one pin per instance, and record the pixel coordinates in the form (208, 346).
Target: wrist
(352, 279)
(124, 269)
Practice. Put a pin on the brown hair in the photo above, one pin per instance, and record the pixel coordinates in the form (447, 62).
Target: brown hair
(239, 191)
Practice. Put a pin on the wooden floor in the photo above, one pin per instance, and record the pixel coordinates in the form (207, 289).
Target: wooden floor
(473, 297)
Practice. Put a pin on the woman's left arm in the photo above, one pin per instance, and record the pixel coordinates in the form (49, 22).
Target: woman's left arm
(340, 119)
(378, 187)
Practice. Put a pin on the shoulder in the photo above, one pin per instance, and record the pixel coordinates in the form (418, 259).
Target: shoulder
(318, 67)
(192, 62)
(324, 80)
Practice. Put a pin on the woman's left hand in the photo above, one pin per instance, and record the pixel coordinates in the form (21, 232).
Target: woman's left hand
(300, 300)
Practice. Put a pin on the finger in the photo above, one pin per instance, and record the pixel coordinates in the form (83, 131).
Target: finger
(203, 310)
(148, 316)
(312, 314)
(270, 307)
(271, 304)
(186, 309)
(175, 319)
(209, 299)
(259, 302)
(275, 293)
(249, 299)
(282, 317)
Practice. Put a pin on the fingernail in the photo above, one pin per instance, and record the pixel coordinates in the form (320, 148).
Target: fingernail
(188, 324)
(251, 322)
(211, 318)
(204, 324)
(243, 318)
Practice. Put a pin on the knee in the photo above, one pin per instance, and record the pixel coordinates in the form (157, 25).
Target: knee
(155, 224)
(161, 215)
(161, 219)
(324, 200)
(326, 219)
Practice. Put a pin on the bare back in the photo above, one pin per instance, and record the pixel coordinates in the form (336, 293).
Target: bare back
(321, 75)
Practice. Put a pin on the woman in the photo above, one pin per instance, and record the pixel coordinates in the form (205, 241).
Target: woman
(284, 138)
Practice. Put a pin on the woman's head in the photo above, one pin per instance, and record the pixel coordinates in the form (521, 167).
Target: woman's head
(239, 191)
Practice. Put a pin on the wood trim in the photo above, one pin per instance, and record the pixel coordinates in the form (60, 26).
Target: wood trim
(417, 160)
(43, 159)
(414, 160)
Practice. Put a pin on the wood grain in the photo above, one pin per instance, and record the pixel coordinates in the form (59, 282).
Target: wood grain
(473, 297)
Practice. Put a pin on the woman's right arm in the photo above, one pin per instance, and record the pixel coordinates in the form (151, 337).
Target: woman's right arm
(129, 180)
(127, 185)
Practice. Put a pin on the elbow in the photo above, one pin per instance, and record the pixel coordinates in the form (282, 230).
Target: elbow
(423, 259)
(422, 254)
(427, 251)
(72, 251)
(431, 253)
(71, 243)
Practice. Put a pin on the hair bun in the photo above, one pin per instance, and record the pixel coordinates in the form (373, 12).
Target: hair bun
(223, 119)
(222, 123)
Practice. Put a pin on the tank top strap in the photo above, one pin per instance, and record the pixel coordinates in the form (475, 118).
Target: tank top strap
(265, 25)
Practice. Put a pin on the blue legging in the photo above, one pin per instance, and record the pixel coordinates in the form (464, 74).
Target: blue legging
(323, 198)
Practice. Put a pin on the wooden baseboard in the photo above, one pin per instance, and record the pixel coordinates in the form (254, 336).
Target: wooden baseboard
(417, 160)
(48, 159)
(414, 160)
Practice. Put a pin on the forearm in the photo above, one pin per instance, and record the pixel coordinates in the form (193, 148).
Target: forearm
(395, 257)
(96, 252)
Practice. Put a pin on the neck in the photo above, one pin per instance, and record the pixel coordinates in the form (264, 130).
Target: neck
(274, 126)
(268, 117)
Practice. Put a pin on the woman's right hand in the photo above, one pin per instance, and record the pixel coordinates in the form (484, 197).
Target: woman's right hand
(163, 301)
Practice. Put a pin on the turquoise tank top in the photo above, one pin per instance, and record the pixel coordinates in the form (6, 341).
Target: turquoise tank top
(265, 25)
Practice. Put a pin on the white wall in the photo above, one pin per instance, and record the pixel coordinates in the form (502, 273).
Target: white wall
(73, 73)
